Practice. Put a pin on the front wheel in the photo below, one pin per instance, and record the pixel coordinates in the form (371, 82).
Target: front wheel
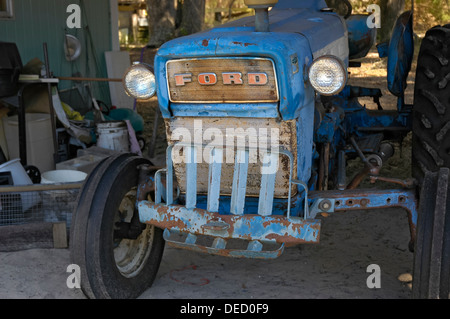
(119, 255)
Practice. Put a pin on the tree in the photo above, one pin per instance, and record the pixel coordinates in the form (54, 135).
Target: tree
(171, 18)
(162, 16)
(390, 11)
(193, 16)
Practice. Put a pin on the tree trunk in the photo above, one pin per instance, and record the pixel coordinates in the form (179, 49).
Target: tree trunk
(390, 11)
(193, 17)
(162, 15)
(230, 11)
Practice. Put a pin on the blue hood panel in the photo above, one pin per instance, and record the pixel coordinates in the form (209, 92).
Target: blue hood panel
(289, 44)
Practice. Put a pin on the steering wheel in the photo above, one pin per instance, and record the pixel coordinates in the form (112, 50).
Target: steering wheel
(342, 7)
(349, 8)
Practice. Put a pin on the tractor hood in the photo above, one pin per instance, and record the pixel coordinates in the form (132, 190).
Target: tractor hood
(325, 31)
(297, 36)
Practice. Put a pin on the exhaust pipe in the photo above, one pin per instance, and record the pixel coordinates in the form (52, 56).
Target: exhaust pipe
(261, 13)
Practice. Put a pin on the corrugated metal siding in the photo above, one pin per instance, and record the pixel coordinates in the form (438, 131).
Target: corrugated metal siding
(39, 21)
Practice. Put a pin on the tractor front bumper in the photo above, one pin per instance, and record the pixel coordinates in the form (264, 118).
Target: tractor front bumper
(256, 229)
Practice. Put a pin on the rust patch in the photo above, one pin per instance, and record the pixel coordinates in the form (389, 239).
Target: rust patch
(205, 43)
(289, 241)
(352, 202)
(276, 220)
(244, 44)
(364, 202)
(168, 220)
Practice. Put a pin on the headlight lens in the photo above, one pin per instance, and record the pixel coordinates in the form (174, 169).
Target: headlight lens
(139, 82)
(328, 75)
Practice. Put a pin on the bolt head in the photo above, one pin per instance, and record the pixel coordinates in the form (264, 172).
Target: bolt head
(325, 205)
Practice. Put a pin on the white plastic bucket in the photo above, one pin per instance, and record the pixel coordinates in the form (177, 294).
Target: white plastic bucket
(113, 136)
(59, 197)
(20, 177)
(62, 176)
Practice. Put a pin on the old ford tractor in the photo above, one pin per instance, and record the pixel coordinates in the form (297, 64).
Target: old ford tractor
(261, 123)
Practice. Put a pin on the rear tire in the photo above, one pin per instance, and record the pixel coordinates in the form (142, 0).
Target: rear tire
(431, 118)
(114, 267)
(431, 274)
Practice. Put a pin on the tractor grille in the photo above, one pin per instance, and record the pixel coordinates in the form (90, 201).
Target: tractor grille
(222, 80)
(221, 129)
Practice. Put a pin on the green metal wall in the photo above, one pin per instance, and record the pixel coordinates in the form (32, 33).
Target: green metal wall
(39, 21)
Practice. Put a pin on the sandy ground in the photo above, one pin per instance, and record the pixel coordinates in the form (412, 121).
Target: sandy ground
(335, 268)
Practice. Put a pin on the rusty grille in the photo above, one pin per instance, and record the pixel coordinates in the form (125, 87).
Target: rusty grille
(288, 141)
(222, 80)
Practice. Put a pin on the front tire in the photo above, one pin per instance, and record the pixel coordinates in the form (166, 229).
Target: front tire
(116, 267)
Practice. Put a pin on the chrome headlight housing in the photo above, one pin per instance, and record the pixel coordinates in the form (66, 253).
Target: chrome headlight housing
(140, 82)
(328, 75)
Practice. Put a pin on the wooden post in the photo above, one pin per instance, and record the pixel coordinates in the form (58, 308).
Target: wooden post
(33, 236)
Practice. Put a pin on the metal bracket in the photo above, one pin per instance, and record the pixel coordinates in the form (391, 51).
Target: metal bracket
(218, 247)
(367, 199)
(322, 205)
(306, 207)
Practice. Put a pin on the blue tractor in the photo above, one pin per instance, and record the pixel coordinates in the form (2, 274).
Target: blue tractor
(260, 124)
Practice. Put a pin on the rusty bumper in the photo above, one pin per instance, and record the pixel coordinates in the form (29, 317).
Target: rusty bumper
(271, 229)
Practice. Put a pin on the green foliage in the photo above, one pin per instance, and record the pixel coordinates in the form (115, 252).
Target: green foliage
(439, 9)
(427, 13)
(218, 11)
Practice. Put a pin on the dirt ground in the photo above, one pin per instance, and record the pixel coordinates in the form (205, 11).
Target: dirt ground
(335, 268)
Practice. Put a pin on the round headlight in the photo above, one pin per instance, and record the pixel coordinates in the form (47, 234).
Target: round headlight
(139, 82)
(327, 75)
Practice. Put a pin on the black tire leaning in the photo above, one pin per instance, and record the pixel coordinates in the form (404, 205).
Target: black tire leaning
(431, 115)
(431, 273)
